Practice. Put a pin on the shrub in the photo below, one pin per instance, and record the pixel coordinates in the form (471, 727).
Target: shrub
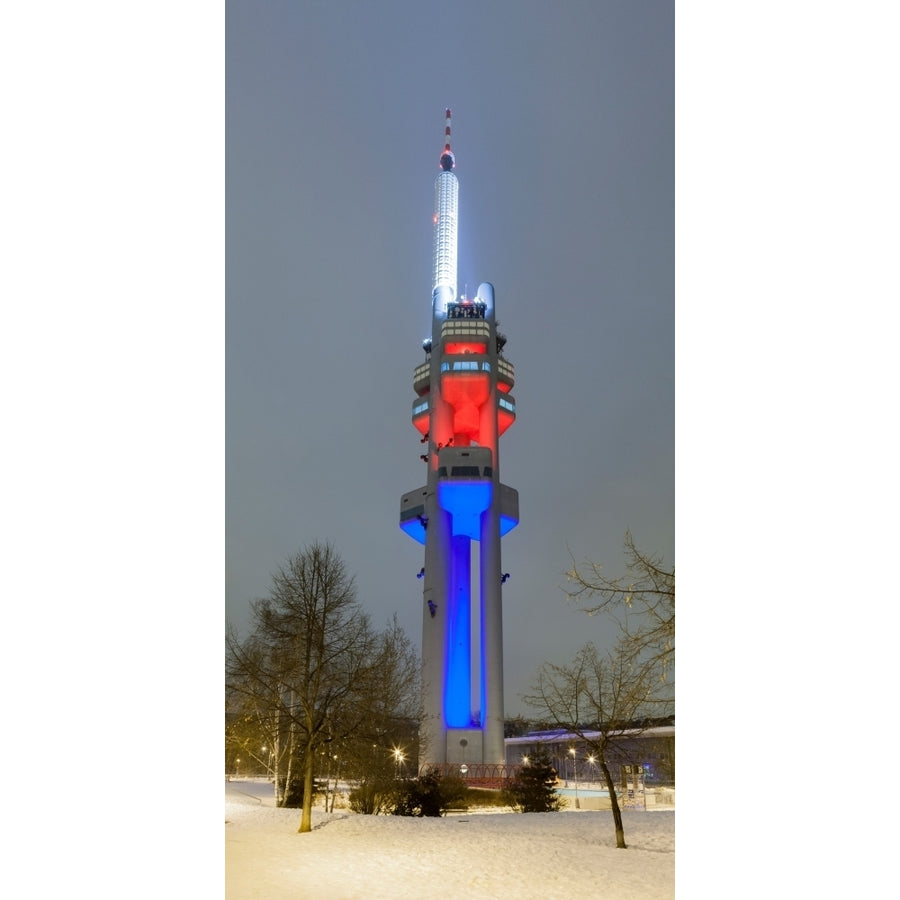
(483, 798)
(292, 791)
(429, 795)
(374, 796)
(533, 789)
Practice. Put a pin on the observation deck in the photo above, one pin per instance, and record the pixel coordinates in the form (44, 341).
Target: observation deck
(422, 378)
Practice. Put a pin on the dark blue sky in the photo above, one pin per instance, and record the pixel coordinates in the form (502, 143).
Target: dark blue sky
(563, 130)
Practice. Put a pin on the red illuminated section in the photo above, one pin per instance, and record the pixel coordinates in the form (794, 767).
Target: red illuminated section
(452, 347)
(420, 422)
(457, 414)
(472, 403)
(504, 420)
(466, 393)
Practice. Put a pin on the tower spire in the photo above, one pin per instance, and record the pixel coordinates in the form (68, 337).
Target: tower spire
(447, 159)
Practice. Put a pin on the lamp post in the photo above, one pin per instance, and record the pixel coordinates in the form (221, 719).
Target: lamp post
(592, 759)
(575, 777)
(398, 758)
(337, 770)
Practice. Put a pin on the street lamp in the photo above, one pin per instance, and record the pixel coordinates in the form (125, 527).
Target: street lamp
(592, 759)
(334, 790)
(575, 777)
(398, 758)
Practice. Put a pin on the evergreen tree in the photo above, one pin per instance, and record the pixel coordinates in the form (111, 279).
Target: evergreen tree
(533, 788)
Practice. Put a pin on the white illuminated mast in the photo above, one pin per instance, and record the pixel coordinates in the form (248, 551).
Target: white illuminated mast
(446, 198)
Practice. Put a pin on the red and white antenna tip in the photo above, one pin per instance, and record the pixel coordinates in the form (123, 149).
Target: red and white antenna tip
(447, 159)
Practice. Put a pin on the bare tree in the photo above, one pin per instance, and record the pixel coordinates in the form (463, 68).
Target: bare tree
(306, 662)
(386, 743)
(602, 698)
(251, 732)
(392, 694)
(642, 601)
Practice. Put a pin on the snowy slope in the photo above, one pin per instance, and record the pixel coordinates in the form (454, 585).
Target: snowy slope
(480, 856)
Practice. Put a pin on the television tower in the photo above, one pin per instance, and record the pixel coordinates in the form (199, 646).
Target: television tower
(463, 404)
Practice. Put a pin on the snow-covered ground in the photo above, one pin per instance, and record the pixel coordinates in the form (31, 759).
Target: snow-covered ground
(482, 856)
